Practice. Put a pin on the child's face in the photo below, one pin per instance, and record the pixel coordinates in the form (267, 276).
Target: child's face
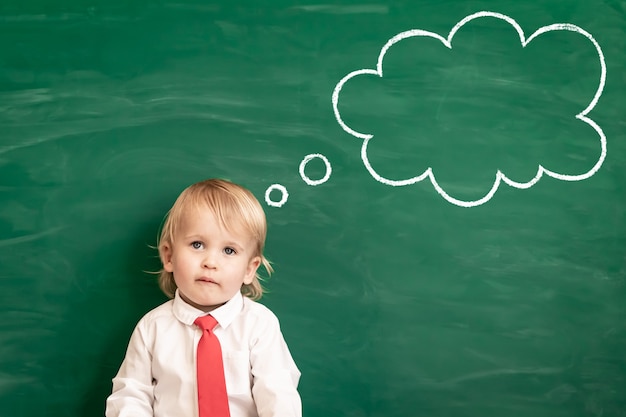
(209, 263)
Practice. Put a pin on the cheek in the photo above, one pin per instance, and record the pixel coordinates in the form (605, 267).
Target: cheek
(180, 261)
(250, 271)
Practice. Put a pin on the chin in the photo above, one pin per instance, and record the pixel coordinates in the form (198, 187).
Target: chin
(205, 304)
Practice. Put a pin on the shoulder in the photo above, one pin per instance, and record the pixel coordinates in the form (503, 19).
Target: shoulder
(255, 310)
(262, 329)
(163, 312)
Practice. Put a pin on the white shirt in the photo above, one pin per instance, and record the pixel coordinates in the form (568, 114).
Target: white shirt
(158, 375)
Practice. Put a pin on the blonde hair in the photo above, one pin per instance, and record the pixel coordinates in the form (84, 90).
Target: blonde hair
(235, 207)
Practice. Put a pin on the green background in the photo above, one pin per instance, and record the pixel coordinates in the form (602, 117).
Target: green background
(394, 302)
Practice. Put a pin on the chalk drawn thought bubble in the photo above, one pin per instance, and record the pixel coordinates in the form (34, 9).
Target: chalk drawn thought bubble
(499, 175)
(284, 195)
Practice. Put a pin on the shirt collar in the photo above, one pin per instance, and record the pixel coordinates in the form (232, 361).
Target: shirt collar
(224, 315)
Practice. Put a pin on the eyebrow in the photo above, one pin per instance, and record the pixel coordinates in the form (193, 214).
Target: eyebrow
(234, 243)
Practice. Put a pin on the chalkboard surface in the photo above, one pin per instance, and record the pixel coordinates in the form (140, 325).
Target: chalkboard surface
(445, 185)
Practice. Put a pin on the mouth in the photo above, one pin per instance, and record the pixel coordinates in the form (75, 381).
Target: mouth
(206, 280)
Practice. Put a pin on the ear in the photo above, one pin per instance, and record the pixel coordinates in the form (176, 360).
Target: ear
(165, 252)
(253, 265)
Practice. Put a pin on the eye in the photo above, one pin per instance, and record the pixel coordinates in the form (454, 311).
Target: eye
(229, 251)
(197, 245)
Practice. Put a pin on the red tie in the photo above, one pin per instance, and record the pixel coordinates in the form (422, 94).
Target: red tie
(212, 396)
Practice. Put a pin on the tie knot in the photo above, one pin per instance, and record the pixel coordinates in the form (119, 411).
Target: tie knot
(206, 322)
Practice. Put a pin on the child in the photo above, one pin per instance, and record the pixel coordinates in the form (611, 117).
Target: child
(210, 246)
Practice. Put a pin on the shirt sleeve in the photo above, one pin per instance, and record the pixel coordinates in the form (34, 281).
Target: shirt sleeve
(275, 375)
(133, 392)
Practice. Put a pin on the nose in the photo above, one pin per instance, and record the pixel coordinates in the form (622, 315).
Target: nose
(209, 261)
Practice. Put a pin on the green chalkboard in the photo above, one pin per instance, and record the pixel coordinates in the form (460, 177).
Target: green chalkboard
(445, 191)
